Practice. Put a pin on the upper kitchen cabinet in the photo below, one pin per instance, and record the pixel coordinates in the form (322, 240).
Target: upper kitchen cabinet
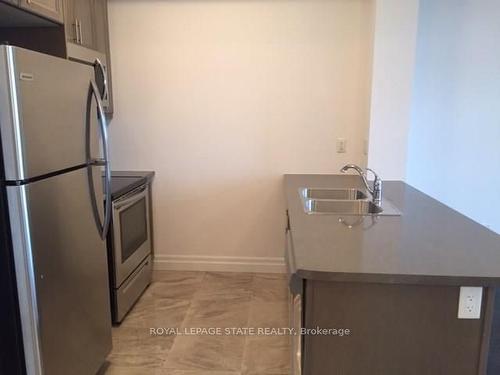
(78, 22)
(52, 9)
(33, 24)
(87, 41)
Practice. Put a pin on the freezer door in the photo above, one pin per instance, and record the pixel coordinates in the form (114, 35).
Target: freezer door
(43, 102)
(61, 267)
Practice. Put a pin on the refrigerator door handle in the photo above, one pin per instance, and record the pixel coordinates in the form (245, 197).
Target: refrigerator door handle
(104, 79)
(104, 161)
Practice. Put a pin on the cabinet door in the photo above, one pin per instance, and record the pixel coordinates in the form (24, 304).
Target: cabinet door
(101, 36)
(83, 12)
(70, 24)
(79, 22)
(52, 9)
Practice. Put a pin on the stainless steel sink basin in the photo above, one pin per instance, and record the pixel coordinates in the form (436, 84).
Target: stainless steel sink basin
(349, 207)
(337, 194)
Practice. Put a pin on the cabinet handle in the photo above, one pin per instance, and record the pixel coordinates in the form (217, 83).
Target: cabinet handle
(81, 34)
(77, 35)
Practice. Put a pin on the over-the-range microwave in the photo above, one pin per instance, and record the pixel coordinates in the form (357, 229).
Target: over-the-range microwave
(99, 62)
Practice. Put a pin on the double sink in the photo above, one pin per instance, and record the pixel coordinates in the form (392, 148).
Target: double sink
(348, 201)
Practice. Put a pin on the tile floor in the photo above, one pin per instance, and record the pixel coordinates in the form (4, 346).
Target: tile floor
(204, 300)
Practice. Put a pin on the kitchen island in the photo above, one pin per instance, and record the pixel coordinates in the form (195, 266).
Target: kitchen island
(393, 282)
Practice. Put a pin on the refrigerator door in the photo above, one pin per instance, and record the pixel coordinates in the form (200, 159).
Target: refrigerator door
(11, 348)
(42, 113)
(61, 267)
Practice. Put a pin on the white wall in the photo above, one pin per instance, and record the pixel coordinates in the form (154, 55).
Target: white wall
(393, 68)
(454, 147)
(221, 98)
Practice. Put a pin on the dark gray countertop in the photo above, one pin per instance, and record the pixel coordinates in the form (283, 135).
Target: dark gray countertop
(429, 244)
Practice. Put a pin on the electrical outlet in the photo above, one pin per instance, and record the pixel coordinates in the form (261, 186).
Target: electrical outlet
(469, 302)
(341, 145)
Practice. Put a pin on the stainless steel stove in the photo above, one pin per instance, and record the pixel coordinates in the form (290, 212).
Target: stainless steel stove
(129, 240)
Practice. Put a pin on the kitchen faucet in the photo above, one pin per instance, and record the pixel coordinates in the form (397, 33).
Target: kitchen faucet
(376, 191)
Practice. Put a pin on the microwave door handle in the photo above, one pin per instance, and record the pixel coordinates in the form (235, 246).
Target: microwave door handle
(103, 126)
(104, 77)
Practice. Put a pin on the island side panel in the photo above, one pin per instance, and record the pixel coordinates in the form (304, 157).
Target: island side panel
(395, 329)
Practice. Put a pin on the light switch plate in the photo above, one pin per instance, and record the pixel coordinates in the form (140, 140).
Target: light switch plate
(341, 145)
(469, 302)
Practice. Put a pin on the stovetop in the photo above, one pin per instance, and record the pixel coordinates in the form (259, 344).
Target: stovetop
(124, 181)
(122, 185)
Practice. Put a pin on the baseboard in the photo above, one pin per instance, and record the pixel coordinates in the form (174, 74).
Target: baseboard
(219, 263)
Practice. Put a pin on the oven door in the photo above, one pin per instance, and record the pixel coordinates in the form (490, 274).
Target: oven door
(131, 232)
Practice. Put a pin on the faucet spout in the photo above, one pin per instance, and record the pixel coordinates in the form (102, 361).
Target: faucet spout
(361, 172)
(376, 191)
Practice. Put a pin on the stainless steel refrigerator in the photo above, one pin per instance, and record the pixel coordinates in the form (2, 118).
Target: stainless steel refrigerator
(54, 222)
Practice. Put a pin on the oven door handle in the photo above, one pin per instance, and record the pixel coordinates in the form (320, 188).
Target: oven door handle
(131, 198)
